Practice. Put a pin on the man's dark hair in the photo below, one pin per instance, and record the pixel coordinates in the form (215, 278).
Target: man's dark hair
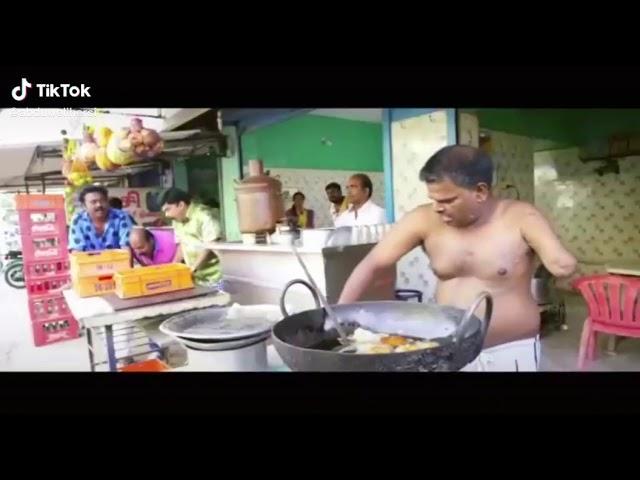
(365, 181)
(298, 193)
(465, 166)
(174, 196)
(333, 185)
(93, 189)
(115, 202)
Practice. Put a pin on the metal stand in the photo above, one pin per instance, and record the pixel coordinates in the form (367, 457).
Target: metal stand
(557, 313)
(122, 345)
(408, 294)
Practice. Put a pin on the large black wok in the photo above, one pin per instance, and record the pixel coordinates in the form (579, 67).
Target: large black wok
(305, 340)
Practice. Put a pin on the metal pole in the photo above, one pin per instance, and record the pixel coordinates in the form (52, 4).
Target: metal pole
(111, 350)
(90, 345)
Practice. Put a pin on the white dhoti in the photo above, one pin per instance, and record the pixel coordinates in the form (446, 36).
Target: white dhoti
(518, 356)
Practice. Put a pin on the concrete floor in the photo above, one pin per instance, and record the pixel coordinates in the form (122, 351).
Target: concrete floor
(17, 352)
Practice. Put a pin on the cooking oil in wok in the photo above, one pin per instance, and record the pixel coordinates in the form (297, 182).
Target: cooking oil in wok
(367, 342)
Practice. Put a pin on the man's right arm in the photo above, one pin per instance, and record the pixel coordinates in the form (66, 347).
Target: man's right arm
(401, 239)
(538, 233)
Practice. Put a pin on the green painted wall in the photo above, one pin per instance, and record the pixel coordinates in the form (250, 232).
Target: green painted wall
(230, 173)
(180, 175)
(202, 173)
(561, 127)
(316, 142)
(198, 176)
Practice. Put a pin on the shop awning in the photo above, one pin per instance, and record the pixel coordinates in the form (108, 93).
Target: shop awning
(21, 159)
(247, 119)
(14, 162)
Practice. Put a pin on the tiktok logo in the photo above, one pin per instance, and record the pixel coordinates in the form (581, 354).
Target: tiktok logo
(19, 93)
(51, 90)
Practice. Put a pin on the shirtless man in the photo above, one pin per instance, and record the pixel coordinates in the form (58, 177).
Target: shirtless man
(475, 242)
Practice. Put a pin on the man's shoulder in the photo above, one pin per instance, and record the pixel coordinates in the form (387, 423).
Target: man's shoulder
(79, 216)
(164, 233)
(425, 210)
(515, 209)
(374, 206)
(118, 214)
(204, 210)
(422, 218)
(205, 215)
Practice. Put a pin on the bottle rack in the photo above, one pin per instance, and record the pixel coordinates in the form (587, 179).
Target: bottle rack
(43, 231)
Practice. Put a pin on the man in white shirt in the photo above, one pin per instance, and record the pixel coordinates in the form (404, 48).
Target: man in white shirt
(362, 210)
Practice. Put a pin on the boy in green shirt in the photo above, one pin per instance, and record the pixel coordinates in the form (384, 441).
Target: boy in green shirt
(194, 224)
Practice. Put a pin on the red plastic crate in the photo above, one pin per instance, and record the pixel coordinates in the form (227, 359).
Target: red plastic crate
(42, 222)
(47, 332)
(48, 286)
(48, 307)
(45, 269)
(49, 247)
(39, 202)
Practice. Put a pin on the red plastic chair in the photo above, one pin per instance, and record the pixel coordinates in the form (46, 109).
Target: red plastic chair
(614, 308)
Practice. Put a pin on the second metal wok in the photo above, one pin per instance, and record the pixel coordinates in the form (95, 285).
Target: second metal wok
(305, 341)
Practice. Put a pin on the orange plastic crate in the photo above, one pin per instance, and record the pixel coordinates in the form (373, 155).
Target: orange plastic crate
(93, 264)
(143, 281)
(153, 365)
(39, 202)
(92, 273)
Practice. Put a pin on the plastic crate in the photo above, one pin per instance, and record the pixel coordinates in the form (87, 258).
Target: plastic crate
(92, 264)
(94, 286)
(46, 247)
(43, 222)
(53, 331)
(47, 286)
(48, 307)
(39, 202)
(42, 270)
(143, 281)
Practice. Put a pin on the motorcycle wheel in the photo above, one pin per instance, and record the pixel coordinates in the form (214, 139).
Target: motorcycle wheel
(14, 275)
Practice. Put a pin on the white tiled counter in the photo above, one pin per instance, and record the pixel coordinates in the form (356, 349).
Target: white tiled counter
(257, 274)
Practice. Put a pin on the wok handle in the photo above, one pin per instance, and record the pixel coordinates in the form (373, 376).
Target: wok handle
(465, 324)
(283, 308)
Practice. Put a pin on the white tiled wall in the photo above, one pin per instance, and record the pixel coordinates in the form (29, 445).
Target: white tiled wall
(468, 130)
(312, 183)
(513, 160)
(595, 216)
(413, 141)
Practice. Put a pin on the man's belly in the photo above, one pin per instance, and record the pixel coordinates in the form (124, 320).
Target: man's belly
(515, 314)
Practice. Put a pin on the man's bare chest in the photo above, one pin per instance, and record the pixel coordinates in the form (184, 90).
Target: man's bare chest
(488, 254)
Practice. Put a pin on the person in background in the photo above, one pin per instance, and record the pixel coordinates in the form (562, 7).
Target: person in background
(153, 248)
(116, 203)
(298, 215)
(475, 242)
(362, 210)
(194, 224)
(215, 206)
(98, 227)
(338, 201)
